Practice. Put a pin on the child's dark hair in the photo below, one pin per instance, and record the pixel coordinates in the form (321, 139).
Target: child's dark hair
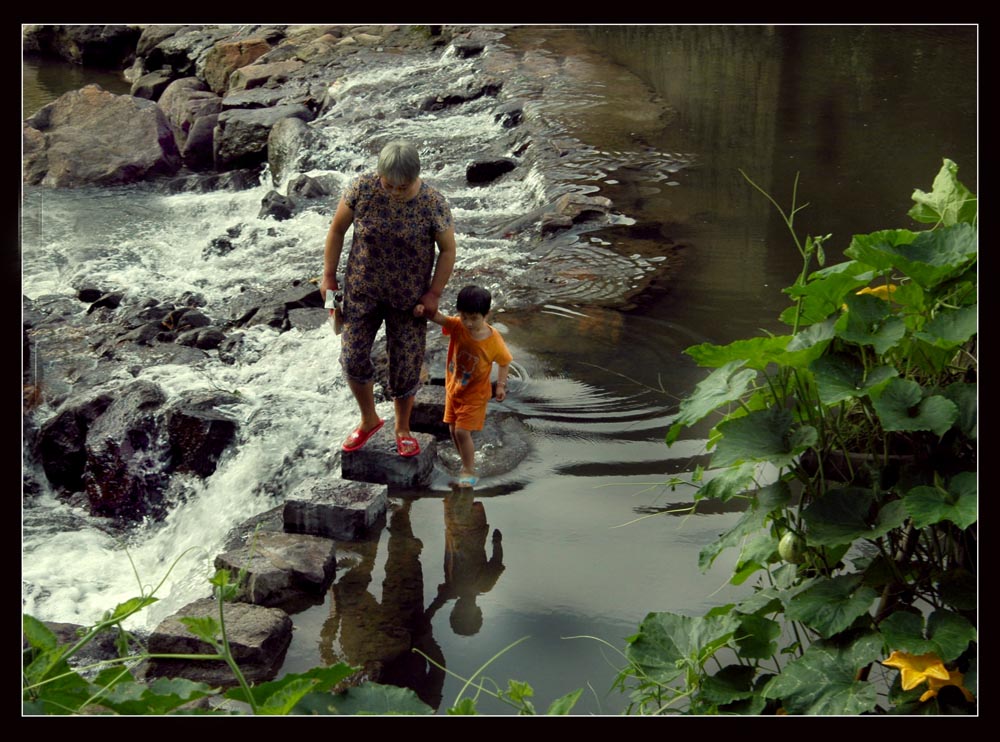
(474, 300)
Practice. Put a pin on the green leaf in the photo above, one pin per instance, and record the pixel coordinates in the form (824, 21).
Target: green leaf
(731, 482)
(161, 696)
(126, 609)
(840, 376)
(375, 698)
(774, 496)
(824, 294)
(966, 398)
(950, 634)
(765, 435)
(755, 352)
(822, 681)
(38, 634)
(949, 202)
(831, 605)
(757, 638)
(204, 627)
(562, 706)
(667, 644)
(465, 707)
(320, 679)
(843, 515)
(731, 683)
(750, 522)
(958, 503)
(951, 328)
(870, 321)
(904, 630)
(929, 258)
(902, 406)
(724, 385)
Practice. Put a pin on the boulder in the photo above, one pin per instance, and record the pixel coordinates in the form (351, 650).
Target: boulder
(225, 57)
(428, 411)
(91, 136)
(346, 511)
(240, 137)
(256, 75)
(282, 569)
(109, 46)
(151, 85)
(258, 637)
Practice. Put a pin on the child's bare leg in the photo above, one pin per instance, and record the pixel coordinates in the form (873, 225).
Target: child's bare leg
(467, 448)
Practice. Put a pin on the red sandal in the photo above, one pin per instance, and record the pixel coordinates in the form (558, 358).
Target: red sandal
(407, 445)
(360, 437)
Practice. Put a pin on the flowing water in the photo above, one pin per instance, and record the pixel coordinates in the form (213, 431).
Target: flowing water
(592, 537)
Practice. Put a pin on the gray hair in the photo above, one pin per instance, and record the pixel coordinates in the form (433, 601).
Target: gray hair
(399, 161)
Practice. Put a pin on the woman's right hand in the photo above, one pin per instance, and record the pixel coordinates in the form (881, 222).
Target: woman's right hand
(329, 283)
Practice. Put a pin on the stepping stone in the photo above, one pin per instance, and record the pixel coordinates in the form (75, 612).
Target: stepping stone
(428, 412)
(258, 638)
(378, 461)
(282, 569)
(345, 511)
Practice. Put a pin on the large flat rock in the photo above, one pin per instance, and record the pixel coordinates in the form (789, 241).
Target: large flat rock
(258, 638)
(379, 462)
(336, 509)
(282, 569)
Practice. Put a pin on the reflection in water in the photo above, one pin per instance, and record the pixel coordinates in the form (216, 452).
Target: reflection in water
(467, 572)
(380, 636)
(389, 638)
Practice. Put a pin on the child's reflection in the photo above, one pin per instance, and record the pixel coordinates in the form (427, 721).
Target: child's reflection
(379, 636)
(467, 572)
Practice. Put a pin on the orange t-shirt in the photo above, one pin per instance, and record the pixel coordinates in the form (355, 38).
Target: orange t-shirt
(470, 362)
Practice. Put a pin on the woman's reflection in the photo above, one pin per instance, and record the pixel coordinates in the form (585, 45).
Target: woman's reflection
(377, 636)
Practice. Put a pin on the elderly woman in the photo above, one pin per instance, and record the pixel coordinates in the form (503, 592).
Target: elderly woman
(398, 220)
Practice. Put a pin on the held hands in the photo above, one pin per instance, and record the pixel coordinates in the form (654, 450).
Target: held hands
(429, 302)
(418, 311)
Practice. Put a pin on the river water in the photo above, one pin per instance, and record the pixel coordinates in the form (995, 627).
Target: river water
(592, 537)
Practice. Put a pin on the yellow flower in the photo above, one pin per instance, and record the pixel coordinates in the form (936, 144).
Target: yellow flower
(916, 668)
(954, 678)
(882, 292)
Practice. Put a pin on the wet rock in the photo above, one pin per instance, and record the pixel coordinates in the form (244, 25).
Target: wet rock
(379, 462)
(282, 569)
(509, 114)
(486, 171)
(287, 142)
(209, 338)
(184, 50)
(345, 511)
(61, 443)
(258, 638)
(125, 476)
(110, 300)
(241, 135)
(465, 48)
(308, 319)
(199, 433)
(306, 187)
(276, 206)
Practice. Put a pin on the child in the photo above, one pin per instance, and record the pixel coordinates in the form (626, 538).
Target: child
(473, 348)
